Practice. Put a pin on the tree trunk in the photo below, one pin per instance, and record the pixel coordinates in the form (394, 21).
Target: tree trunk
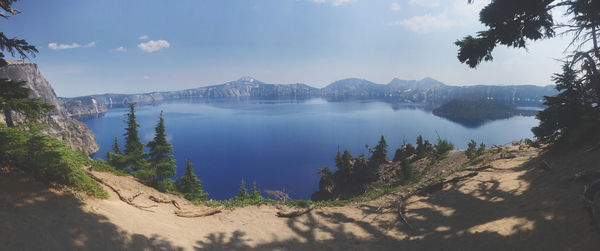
(8, 117)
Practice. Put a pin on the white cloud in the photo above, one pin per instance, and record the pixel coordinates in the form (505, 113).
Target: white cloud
(147, 77)
(55, 46)
(334, 2)
(425, 23)
(152, 46)
(395, 7)
(458, 14)
(426, 3)
(143, 37)
(120, 49)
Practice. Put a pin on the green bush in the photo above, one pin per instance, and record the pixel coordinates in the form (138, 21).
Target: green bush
(48, 160)
(443, 147)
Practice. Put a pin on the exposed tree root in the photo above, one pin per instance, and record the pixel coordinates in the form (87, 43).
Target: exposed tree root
(294, 213)
(161, 200)
(199, 213)
(128, 200)
(401, 212)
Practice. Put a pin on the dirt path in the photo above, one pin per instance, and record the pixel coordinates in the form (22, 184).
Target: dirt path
(515, 204)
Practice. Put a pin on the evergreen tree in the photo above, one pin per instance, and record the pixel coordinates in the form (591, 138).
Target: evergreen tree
(471, 151)
(407, 171)
(134, 148)
(242, 192)
(116, 157)
(421, 151)
(14, 98)
(161, 158)
(345, 165)
(190, 186)
(14, 46)
(255, 192)
(564, 111)
(380, 151)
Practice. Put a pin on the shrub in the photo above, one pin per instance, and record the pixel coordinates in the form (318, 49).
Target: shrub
(48, 160)
(443, 147)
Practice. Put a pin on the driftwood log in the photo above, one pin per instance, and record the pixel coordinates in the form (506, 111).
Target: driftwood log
(128, 200)
(294, 213)
(199, 213)
(166, 201)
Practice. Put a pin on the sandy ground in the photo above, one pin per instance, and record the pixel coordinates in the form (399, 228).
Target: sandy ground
(517, 204)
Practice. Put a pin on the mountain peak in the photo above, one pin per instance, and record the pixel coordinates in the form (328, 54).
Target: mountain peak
(247, 79)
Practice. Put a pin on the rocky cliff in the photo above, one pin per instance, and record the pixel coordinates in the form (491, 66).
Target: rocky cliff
(60, 125)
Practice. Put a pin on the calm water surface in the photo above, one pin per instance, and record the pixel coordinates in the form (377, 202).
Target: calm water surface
(280, 144)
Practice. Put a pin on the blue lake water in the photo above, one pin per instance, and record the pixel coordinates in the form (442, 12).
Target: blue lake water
(280, 144)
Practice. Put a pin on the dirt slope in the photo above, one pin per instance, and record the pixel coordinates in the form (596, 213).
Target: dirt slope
(517, 204)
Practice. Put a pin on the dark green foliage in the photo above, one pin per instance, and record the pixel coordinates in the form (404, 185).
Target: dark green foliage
(190, 186)
(242, 192)
(101, 165)
(345, 165)
(573, 116)
(443, 147)
(161, 158)
(380, 151)
(404, 152)
(116, 158)
(13, 46)
(476, 108)
(14, 98)
(424, 147)
(565, 112)
(473, 152)
(255, 192)
(407, 172)
(134, 148)
(48, 160)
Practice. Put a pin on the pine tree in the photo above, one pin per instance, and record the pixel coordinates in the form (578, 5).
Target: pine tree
(408, 174)
(115, 147)
(420, 147)
(380, 151)
(190, 186)
(161, 158)
(471, 151)
(255, 192)
(134, 148)
(242, 192)
(116, 157)
(14, 98)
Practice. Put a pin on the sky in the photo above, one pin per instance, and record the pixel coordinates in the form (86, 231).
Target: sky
(131, 46)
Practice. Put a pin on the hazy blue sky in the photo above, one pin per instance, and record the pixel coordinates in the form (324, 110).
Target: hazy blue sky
(130, 46)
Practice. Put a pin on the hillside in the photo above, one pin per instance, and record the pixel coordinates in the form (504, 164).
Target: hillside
(426, 91)
(476, 108)
(60, 125)
(514, 201)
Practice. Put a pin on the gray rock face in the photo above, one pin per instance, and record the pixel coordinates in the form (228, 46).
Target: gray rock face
(60, 125)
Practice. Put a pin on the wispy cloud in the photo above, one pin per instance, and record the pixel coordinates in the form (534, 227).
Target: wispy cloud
(146, 77)
(334, 2)
(458, 14)
(55, 46)
(152, 46)
(426, 3)
(120, 49)
(395, 7)
(143, 37)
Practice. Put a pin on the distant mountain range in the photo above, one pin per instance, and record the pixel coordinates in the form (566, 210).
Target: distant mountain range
(426, 91)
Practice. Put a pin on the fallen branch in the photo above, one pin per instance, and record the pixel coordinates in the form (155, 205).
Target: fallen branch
(128, 200)
(548, 166)
(295, 213)
(401, 211)
(199, 213)
(166, 201)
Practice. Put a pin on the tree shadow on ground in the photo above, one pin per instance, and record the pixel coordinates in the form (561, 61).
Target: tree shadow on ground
(34, 218)
(542, 211)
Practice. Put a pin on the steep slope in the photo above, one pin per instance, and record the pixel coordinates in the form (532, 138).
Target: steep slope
(505, 204)
(60, 125)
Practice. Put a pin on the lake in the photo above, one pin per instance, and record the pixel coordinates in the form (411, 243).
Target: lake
(281, 143)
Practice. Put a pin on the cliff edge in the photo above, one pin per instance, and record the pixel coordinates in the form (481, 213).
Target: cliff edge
(60, 125)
